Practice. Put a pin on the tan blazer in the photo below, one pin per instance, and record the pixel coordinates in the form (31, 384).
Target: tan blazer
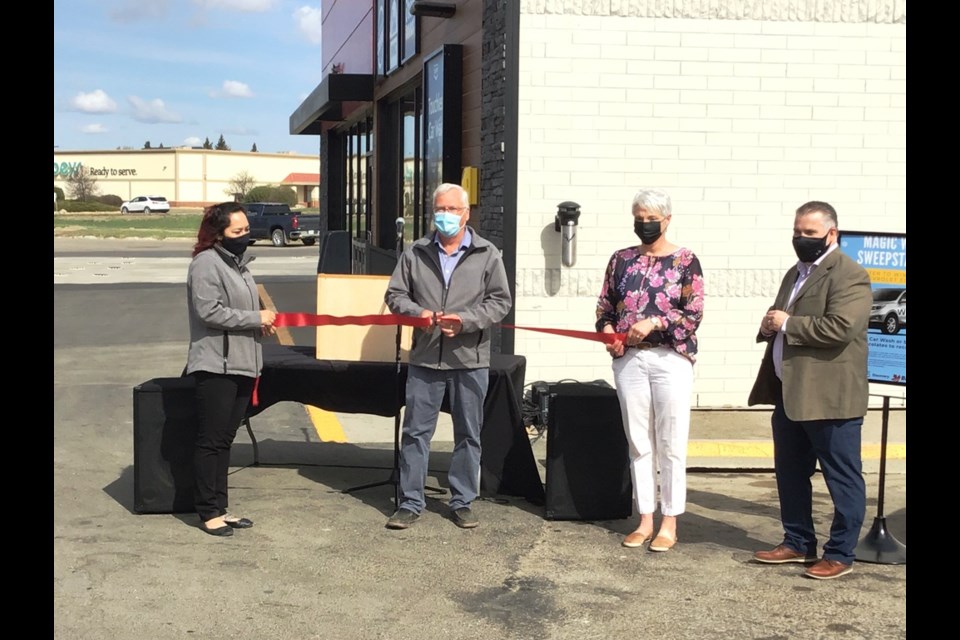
(825, 345)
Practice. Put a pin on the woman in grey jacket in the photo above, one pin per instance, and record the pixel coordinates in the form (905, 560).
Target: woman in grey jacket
(225, 357)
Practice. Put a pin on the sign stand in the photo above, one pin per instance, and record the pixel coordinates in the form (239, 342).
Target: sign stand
(879, 545)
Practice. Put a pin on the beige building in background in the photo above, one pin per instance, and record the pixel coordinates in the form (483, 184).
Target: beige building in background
(189, 177)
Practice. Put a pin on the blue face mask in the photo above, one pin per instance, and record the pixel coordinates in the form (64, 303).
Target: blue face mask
(448, 224)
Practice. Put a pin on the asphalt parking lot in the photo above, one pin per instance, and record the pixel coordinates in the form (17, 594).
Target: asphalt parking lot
(319, 563)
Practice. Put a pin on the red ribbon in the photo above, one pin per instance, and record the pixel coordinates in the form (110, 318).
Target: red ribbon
(315, 320)
(606, 338)
(391, 319)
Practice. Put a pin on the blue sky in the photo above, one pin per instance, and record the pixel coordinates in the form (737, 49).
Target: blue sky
(175, 72)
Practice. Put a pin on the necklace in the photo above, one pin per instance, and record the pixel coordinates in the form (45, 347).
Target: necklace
(646, 274)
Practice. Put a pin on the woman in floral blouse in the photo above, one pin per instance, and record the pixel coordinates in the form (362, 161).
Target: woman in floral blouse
(653, 293)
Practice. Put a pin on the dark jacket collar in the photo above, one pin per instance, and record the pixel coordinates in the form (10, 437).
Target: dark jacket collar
(231, 259)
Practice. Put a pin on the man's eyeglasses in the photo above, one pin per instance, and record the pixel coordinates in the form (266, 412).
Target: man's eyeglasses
(448, 209)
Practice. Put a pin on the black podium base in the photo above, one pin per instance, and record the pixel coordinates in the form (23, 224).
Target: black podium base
(879, 546)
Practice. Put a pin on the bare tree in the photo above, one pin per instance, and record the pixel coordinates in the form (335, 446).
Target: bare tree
(240, 184)
(82, 185)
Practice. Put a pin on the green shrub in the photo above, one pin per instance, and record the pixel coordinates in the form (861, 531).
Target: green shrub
(59, 192)
(73, 206)
(268, 193)
(112, 200)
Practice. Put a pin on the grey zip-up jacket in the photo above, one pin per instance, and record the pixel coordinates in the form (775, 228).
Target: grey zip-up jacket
(224, 311)
(478, 293)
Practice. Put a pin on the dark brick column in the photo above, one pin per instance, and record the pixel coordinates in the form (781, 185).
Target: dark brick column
(498, 141)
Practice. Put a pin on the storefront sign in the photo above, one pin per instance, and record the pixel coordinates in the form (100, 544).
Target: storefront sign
(65, 169)
(410, 39)
(884, 256)
(381, 36)
(442, 90)
(393, 42)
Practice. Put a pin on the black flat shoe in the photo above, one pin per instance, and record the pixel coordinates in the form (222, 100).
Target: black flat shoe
(219, 531)
(239, 523)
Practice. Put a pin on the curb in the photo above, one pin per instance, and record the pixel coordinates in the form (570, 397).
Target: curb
(764, 449)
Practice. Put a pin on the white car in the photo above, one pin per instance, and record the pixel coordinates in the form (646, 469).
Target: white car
(146, 204)
(889, 309)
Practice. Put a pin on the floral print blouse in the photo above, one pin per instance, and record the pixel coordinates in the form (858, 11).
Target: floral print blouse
(670, 288)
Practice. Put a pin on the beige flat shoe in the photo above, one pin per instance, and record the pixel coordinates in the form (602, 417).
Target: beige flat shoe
(662, 543)
(636, 539)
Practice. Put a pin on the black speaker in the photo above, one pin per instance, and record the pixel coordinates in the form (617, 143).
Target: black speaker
(164, 434)
(588, 467)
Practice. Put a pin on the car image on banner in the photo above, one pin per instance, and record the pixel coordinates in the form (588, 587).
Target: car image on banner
(889, 310)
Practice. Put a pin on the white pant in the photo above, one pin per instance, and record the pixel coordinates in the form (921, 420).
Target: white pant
(654, 387)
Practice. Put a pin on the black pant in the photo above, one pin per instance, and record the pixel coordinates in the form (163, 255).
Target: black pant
(221, 404)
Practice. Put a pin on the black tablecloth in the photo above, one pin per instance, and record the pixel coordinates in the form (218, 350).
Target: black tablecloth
(507, 465)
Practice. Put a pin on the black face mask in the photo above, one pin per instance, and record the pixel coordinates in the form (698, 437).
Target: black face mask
(237, 245)
(648, 232)
(809, 249)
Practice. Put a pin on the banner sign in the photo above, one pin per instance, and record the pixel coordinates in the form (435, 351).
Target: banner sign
(884, 256)
(442, 95)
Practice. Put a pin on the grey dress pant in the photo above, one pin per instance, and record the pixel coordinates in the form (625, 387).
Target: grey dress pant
(426, 387)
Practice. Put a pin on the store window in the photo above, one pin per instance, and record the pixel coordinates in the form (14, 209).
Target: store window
(401, 183)
(412, 163)
(358, 152)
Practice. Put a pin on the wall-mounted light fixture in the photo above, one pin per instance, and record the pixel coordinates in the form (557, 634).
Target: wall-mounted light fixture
(566, 221)
(433, 9)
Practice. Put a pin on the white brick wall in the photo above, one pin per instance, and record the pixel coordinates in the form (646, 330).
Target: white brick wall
(741, 119)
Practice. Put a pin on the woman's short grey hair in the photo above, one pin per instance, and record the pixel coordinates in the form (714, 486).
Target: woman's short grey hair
(449, 186)
(653, 200)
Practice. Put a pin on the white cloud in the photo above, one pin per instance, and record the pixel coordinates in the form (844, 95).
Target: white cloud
(94, 128)
(152, 111)
(94, 102)
(193, 141)
(308, 21)
(246, 6)
(232, 89)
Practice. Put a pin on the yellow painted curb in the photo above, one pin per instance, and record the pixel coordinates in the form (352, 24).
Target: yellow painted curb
(326, 425)
(764, 449)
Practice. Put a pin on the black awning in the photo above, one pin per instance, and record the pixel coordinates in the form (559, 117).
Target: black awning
(326, 102)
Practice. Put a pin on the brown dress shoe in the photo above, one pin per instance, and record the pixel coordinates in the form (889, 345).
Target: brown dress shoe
(662, 543)
(782, 554)
(636, 539)
(828, 570)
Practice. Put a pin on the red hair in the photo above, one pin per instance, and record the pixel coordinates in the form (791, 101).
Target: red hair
(215, 219)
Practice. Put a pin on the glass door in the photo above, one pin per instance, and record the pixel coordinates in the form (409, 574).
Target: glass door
(411, 164)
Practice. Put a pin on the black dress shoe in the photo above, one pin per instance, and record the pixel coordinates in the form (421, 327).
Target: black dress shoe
(239, 523)
(218, 531)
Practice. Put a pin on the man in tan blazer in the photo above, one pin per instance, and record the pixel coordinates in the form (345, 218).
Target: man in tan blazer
(814, 373)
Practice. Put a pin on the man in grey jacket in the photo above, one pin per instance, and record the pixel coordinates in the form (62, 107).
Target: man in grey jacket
(457, 280)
